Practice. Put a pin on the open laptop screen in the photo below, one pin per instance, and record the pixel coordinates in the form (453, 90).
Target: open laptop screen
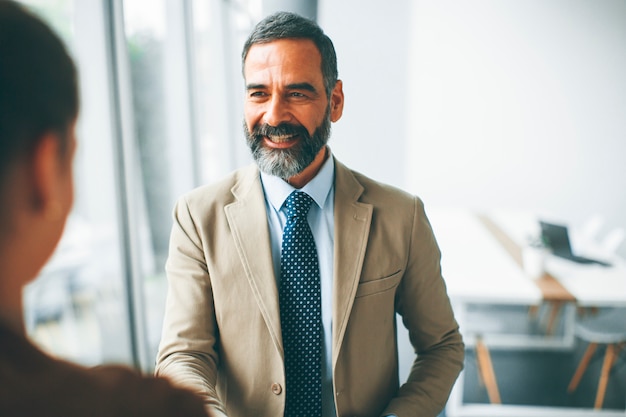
(556, 237)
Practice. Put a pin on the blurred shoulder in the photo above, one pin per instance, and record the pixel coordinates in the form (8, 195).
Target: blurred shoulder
(143, 395)
(34, 383)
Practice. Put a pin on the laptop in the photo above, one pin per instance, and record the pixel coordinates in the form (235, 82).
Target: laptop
(556, 238)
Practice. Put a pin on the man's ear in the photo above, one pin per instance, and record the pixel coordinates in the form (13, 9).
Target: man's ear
(336, 102)
(45, 171)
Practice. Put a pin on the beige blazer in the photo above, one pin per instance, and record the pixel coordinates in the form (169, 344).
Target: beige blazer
(222, 333)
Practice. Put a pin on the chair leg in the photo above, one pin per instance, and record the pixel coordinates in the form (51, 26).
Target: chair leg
(533, 312)
(556, 308)
(584, 311)
(609, 357)
(582, 367)
(485, 368)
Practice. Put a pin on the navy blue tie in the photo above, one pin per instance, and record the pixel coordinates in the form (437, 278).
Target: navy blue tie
(301, 311)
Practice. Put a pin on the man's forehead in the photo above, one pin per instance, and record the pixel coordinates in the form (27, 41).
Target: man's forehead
(291, 53)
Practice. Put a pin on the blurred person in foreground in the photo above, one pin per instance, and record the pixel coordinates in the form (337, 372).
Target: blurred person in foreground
(256, 338)
(38, 111)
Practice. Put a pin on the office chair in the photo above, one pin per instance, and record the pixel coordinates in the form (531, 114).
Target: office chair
(607, 329)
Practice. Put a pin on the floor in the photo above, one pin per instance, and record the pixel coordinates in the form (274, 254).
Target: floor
(541, 378)
(533, 377)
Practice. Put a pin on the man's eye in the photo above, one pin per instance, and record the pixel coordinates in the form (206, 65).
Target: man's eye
(257, 94)
(297, 94)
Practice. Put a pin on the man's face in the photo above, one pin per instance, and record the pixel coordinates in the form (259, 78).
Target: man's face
(287, 112)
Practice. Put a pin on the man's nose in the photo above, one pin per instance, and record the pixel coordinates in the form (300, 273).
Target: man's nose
(277, 111)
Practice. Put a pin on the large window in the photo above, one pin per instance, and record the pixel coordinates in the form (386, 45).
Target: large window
(160, 114)
(181, 60)
(77, 307)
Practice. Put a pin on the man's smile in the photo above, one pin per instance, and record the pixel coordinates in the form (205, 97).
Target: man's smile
(280, 141)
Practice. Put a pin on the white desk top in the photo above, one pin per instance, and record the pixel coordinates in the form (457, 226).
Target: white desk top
(475, 266)
(477, 269)
(592, 285)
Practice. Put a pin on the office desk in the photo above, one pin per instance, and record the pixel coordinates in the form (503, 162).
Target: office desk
(590, 285)
(481, 263)
(476, 266)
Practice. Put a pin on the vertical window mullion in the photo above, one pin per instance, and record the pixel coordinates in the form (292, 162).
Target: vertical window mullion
(128, 180)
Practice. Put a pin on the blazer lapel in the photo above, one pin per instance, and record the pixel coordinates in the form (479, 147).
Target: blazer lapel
(352, 224)
(247, 218)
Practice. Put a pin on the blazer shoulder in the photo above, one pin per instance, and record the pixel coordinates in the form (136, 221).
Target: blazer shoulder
(379, 193)
(222, 192)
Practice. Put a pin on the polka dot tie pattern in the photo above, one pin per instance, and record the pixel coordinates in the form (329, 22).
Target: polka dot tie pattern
(301, 311)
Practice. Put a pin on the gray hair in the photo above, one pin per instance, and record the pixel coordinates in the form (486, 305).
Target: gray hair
(286, 25)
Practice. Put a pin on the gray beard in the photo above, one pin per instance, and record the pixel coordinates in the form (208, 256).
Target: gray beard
(286, 163)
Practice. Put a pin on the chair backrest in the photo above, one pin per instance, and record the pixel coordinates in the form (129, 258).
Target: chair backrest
(605, 327)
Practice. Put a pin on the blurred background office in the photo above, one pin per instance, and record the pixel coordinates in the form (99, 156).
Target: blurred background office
(484, 104)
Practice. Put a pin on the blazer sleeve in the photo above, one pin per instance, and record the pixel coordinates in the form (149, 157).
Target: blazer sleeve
(426, 311)
(187, 352)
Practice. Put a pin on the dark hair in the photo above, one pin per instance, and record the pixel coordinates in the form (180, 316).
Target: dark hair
(38, 84)
(285, 25)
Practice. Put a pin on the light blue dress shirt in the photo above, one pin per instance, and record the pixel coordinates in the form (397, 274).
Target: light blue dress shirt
(321, 220)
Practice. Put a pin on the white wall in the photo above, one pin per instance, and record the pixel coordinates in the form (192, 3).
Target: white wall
(515, 104)
(371, 39)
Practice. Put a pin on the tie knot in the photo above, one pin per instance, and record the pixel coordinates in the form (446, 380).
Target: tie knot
(298, 205)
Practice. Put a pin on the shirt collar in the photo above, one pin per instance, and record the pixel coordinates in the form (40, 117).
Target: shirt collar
(277, 190)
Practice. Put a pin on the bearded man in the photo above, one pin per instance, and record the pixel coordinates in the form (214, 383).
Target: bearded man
(286, 277)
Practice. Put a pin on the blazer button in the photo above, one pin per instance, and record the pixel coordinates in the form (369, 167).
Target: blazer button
(277, 388)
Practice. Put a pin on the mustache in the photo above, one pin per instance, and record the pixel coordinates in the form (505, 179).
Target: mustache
(283, 129)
